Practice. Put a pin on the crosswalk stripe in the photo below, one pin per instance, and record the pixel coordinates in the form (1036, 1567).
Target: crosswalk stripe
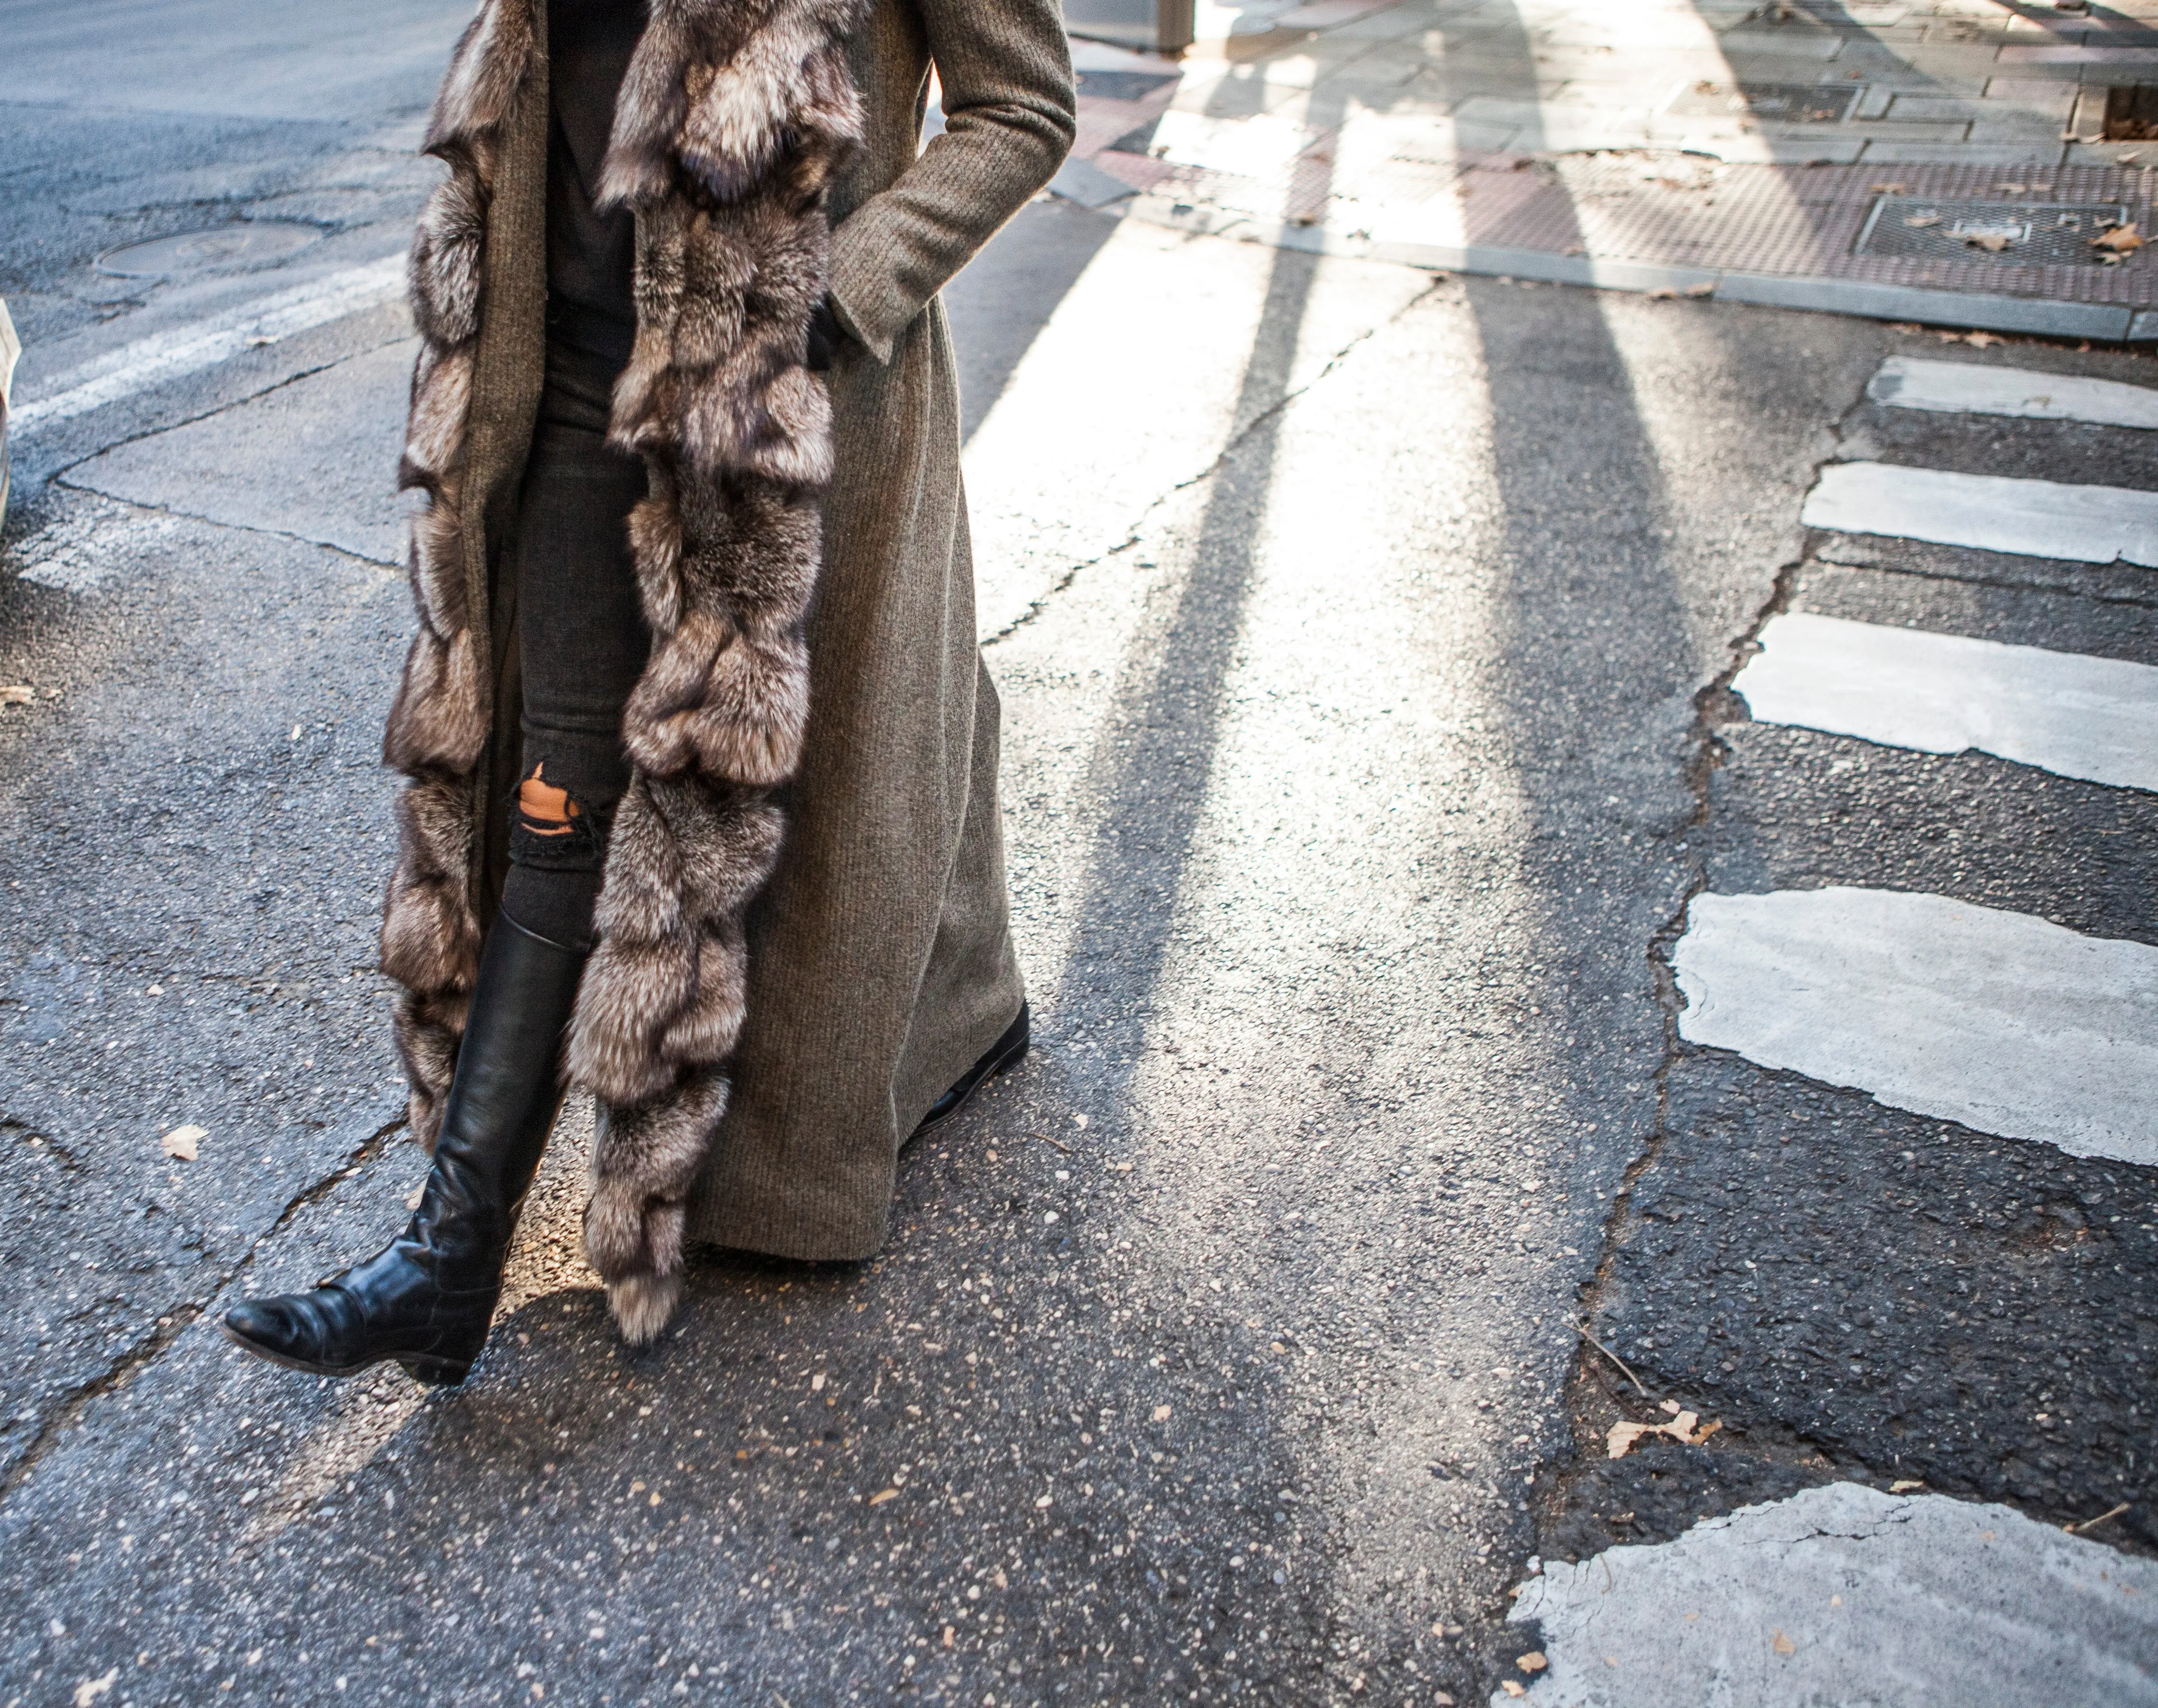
(1844, 1593)
(1991, 513)
(2007, 1023)
(1959, 388)
(2074, 715)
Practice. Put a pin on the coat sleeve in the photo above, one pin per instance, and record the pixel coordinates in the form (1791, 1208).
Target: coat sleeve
(1005, 70)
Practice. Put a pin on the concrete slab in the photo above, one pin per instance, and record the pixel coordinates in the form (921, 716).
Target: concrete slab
(1771, 48)
(1843, 1594)
(315, 460)
(2007, 1023)
(2047, 152)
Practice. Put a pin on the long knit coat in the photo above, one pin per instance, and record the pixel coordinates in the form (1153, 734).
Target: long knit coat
(803, 930)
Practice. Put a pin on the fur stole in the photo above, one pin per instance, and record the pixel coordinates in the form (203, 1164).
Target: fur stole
(734, 118)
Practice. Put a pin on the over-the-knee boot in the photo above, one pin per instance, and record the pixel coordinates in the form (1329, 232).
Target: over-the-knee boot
(426, 1300)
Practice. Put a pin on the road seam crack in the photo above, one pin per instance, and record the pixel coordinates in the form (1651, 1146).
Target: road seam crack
(1235, 443)
(177, 1319)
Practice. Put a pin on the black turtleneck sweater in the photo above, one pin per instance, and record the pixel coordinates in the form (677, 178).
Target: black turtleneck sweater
(591, 255)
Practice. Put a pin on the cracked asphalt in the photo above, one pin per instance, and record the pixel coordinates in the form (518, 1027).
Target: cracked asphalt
(1362, 638)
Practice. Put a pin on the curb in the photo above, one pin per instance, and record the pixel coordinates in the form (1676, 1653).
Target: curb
(2107, 323)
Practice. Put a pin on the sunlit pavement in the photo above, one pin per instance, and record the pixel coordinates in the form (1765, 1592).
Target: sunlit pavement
(1369, 643)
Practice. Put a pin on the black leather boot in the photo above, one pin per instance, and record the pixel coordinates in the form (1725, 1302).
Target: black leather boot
(1005, 1053)
(426, 1300)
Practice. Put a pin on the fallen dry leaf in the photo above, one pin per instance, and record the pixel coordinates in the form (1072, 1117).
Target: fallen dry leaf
(1783, 1645)
(1681, 1429)
(882, 1495)
(1982, 340)
(2121, 240)
(1706, 288)
(1511, 1689)
(1992, 242)
(1891, 189)
(2012, 189)
(1922, 218)
(182, 1142)
(1663, 293)
(16, 695)
(1904, 1483)
(1162, 1413)
(1532, 1662)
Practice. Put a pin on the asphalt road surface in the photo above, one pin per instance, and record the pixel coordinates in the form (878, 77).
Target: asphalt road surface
(1410, 894)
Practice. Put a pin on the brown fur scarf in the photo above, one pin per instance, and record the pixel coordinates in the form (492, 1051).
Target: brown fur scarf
(733, 119)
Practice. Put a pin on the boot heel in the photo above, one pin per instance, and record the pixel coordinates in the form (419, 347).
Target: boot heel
(436, 1372)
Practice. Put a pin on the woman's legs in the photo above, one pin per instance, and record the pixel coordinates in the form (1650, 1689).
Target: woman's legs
(427, 1298)
(583, 642)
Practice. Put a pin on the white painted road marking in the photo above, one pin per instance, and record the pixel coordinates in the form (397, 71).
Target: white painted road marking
(2033, 517)
(1845, 1594)
(2007, 1023)
(2083, 717)
(186, 350)
(1964, 388)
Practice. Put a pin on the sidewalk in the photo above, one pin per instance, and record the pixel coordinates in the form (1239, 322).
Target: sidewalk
(1945, 162)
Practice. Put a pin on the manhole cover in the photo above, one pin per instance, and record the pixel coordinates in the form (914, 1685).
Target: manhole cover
(249, 245)
(1783, 103)
(1122, 85)
(2022, 234)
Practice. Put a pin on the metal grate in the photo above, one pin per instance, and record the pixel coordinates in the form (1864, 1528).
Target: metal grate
(2017, 233)
(1780, 103)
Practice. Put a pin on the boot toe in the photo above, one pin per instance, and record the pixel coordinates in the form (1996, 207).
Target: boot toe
(287, 1328)
(264, 1322)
